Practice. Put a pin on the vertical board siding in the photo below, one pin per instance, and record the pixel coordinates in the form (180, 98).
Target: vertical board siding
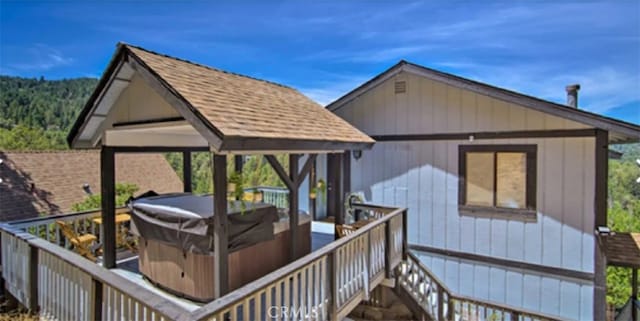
(422, 175)
(519, 288)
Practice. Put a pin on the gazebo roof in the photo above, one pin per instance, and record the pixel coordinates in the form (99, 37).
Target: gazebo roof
(231, 112)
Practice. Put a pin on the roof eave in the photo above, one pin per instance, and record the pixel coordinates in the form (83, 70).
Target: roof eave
(256, 144)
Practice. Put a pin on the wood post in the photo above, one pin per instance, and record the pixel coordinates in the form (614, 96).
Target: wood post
(238, 161)
(312, 184)
(333, 285)
(634, 293)
(388, 249)
(33, 279)
(220, 227)
(186, 172)
(346, 175)
(440, 303)
(293, 206)
(96, 298)
(600, 206)
(405, 234)
(108, 195)
(334, 193)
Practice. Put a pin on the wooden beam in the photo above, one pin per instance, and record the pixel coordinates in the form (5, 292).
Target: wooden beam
(306, 168)
(538, 268)
(293, 206)
(489, 135)
(220, 227)
(108, 199)
(186, 171)
(238, 144)
(280, 171)
(157, 149)
(600, 268)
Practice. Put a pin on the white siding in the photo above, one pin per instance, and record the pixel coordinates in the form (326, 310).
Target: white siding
(565, 297)
(423, 176)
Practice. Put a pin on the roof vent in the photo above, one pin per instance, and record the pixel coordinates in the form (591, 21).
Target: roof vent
(572, 95)
(401, 87)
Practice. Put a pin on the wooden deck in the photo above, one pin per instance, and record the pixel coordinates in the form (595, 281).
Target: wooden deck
(327, 284)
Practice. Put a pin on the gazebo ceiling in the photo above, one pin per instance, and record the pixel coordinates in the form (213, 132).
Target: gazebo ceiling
(148, 99)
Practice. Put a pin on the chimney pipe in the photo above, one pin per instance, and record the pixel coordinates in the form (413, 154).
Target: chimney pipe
(572, 95)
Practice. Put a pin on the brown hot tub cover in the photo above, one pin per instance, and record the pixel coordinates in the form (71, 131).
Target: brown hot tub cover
(185, 221)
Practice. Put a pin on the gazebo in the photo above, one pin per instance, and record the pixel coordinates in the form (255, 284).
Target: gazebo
(623, 250)
(149, 102)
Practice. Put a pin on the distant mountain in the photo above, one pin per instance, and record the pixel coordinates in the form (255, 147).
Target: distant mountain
(42, 104)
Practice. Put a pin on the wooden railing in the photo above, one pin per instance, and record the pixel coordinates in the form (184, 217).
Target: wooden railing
(439, 303)
(326, 284)
(47, 229)
(62, 285)
(276, 196)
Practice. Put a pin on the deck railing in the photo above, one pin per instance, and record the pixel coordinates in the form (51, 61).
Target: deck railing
(439, 303)
(65, 286)
(326, 284)
(276, 196)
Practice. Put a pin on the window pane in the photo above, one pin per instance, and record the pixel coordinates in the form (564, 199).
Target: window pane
(512, 180)
(480, 179)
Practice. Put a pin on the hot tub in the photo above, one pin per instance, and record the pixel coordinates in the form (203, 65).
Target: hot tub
(176, 242)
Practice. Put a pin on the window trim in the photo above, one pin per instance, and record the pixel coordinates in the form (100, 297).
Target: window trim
(531, 152)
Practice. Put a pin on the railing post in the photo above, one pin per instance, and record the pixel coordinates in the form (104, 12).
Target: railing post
(388, 250)
(33, 278)
(333, 286)
(405, 246)
(440, 305)
(96, 300)
(451, 310)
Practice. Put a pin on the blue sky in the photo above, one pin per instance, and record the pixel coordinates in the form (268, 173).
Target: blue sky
(327, 48)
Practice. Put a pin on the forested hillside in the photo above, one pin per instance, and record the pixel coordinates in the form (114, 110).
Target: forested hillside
(37, 113)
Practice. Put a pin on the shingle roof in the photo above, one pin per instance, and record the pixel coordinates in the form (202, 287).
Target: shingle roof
(622, 249)
(238, 108)
(51, 182)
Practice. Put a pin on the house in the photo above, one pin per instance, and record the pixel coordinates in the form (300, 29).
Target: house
(50, 182)
(504, 190)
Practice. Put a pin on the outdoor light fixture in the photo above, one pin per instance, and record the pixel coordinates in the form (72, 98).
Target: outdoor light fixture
(87, 188)
(471, 138)
(603, 230)
(357, 154)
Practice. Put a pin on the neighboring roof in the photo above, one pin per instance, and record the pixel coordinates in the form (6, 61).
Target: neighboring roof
(622, 249)
(619, 131)
(50, 182)
(232, 111)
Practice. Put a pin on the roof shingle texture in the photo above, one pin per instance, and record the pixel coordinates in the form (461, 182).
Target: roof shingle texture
(35, 183)
(240, 106)
(622, 249)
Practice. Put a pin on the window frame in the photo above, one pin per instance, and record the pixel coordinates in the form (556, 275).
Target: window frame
(531, 155)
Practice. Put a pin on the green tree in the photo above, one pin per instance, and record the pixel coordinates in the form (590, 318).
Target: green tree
(123, 192)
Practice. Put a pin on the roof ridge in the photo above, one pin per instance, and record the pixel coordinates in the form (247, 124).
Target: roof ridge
(202, 65)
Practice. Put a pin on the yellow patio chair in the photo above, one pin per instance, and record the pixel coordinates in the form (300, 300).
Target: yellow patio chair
(81, 243)
(344, 230)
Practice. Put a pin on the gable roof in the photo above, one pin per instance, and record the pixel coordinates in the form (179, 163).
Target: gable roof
(51, 182)
(619, 131)
(231, 111)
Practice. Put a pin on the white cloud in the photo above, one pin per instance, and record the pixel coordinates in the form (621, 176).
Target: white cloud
(40, 57)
